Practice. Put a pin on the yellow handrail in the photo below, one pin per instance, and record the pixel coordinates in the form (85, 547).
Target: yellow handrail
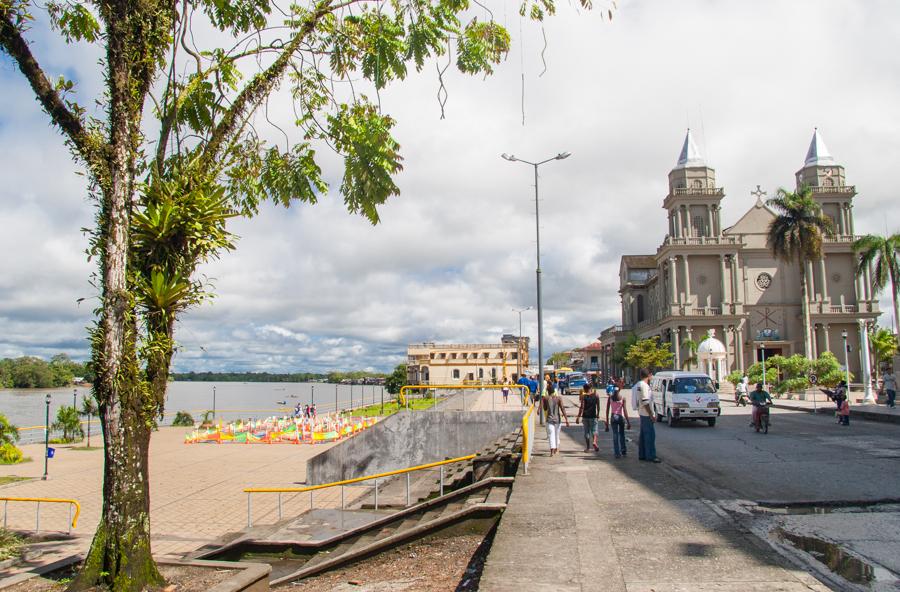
(427, 387)
(526, 436)
(357, 479)
(48, 500)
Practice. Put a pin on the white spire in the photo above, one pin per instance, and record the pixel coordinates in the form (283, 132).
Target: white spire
(818, 153)
(690, 155)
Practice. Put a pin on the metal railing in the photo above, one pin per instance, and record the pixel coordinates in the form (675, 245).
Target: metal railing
(313, 488)
(404, 400)
(73, 520)
(527, 437)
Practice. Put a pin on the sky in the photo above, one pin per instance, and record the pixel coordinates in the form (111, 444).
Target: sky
(314, 288)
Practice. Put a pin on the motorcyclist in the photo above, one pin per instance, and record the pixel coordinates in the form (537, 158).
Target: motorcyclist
(741, 390)
(759, 398)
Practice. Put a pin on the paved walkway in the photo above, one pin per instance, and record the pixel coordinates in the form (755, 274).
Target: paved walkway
(586, 521)
(195, 490)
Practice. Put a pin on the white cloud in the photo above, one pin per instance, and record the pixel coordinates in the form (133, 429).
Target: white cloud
(313, 287)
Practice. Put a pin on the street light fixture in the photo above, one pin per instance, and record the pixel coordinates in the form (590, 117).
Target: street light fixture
(537, 224)
(846, 359)
(519, 342)
(74, 397)
(214, 403)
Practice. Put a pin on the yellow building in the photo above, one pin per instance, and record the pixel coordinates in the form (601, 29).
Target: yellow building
(466, 363)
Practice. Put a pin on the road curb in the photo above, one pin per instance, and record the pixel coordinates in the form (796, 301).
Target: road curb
(854, 413)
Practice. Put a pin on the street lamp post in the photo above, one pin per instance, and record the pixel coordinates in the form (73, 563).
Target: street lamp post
(74, 398)
(214, 402)
(519, 342)
(46, 435)
(537, 224)
(846, 360)
(762, 353)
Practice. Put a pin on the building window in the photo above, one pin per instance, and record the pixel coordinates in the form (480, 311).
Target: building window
(698, 184)
(453, 356)
(481, 373)
(699, 226)
(640, 308)
(456, 373)
(514, 356)
(594, 360)
(494, 373)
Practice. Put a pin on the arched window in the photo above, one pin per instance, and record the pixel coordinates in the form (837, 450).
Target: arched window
(698, 184)
(481, 373)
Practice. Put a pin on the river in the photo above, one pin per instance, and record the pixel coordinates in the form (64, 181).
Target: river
(26, 407)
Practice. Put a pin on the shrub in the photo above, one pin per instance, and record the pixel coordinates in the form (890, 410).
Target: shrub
(67, 420)
(10, 455)
(183, 418)
(9, 434)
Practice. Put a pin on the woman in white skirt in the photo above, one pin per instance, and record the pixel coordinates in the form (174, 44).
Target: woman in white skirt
(554, 412)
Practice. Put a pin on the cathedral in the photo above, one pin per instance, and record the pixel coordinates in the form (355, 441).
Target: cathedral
(710, 279)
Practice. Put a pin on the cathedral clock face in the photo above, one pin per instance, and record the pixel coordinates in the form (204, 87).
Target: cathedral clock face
(763, 281)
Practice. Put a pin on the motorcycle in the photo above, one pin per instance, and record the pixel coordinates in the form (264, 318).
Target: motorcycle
(741, 399)
(762, 420)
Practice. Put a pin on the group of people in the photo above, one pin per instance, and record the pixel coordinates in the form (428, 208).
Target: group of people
(306, 411)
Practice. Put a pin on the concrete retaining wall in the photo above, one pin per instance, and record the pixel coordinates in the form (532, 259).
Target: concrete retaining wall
(410, 438)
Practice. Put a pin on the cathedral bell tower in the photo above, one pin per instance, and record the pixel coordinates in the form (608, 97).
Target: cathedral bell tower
(693, 199)
(825, 178)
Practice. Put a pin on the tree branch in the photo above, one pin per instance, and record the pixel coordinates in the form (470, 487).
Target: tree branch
(259, 88)
(72, 126)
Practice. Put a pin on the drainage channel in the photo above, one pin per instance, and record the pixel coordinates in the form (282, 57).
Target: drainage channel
(840, 562)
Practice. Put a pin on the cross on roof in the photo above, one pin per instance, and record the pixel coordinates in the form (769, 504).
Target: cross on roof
(758, 192)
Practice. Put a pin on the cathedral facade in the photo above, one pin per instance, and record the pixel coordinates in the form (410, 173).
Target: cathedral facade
(706, 277)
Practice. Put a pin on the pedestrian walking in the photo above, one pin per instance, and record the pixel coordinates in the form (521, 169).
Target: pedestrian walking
(589, 413)
(889, 384)
(505, 390)
(617, 419)
(642, 401)
(554, 412)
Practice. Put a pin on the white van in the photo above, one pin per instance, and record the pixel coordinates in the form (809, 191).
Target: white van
(679, 395)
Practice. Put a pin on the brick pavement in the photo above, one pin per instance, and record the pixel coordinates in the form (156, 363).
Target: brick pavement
(195, 490)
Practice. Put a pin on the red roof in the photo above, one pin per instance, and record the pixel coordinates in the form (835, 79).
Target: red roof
(593, 347)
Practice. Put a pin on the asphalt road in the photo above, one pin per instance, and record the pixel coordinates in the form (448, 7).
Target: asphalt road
(803, 458)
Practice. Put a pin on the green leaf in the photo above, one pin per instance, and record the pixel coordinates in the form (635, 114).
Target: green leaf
(371, 157)
(74, 21)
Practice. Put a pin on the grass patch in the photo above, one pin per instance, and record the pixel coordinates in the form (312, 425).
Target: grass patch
(24, 459)
(10, 544)
(390, 407)
(12, 479)
(86, 448)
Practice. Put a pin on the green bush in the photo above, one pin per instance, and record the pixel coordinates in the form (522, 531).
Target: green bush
(69, 422)
(10, 455)
(183, 418)
(9, 434)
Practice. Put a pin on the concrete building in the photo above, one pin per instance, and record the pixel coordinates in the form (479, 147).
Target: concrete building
(706, 276)
(466, 363)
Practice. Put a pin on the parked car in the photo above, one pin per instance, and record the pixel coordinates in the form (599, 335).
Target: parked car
(575, 382)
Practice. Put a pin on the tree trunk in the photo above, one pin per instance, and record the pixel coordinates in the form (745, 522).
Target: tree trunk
(807, 330)
(896, 300)
(119, 556)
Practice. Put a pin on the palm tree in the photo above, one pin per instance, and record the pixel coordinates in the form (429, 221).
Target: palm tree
(691, 358)
(89, 408)
(796, 235)
(884, 346)
(879, 254)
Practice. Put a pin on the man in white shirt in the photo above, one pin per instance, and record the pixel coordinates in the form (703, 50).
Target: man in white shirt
(642, 400)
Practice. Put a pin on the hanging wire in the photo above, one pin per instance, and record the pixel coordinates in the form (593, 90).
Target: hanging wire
(442, 94)
(522, 65)
(543, 51)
